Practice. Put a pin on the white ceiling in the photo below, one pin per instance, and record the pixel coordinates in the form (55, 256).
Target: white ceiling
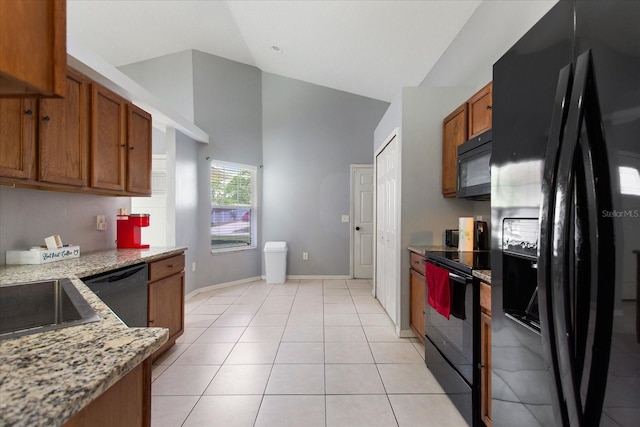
(370, 48)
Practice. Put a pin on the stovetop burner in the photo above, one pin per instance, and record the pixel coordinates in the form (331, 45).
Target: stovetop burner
(462, 261)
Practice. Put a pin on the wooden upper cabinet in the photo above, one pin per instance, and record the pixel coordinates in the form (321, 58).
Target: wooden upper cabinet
(138, 151)
(90, 141)
(33, 48)
(63, 142)
(480, 111)
(108, 139)
(17, 139)
(454, 133)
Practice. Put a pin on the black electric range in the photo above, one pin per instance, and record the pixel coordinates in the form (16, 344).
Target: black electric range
(452, 345)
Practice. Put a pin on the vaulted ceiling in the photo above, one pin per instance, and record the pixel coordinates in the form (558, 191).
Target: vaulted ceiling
(370, 48)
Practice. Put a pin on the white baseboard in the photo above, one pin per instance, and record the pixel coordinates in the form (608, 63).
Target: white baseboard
(311, 277)
(220, 286)
(406, 333)
(253, 279)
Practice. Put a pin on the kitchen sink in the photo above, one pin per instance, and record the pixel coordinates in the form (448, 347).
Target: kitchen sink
(29, 308)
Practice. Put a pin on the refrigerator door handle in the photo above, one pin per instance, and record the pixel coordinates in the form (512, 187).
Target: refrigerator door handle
(547, 208)
(583, 255)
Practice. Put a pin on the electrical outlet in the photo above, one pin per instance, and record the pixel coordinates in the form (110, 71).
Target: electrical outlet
(305, 255)
(345, 218)
(193, 266)
(101, 222)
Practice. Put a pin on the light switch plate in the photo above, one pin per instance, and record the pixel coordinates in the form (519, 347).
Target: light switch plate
(345, 218)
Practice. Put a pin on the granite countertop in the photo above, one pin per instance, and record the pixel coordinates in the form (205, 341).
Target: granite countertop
(484, 275)
(46, 378)
(422, 250)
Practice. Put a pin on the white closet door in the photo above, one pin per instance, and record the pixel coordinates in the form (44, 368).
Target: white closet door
(387, 207)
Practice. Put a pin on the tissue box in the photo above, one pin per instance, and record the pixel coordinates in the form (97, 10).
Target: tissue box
(42, 256)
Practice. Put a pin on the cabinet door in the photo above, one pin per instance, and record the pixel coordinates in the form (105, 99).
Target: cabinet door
(108, 143)
(33, 44)
(63, 135)
(454, 133)
(480, 111)
(418, 300)
(17, 137)
(126, 403)
(485, 368)
(166, 304)
(138, 151)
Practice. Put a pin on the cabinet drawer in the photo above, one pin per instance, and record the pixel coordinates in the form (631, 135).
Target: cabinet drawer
(485, 297)
(417, 262)
(166, 267)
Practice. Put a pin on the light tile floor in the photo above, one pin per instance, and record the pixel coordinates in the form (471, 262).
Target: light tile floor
(305, 353)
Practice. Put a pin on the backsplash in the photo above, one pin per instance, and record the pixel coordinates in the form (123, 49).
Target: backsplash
(28, 216)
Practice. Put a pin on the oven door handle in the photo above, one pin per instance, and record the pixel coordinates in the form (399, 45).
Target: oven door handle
(458, 278)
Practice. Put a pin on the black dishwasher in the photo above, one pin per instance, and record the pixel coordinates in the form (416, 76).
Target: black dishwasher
(125, 292)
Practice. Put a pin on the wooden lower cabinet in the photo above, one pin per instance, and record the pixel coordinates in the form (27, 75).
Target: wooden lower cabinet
(418, 295)
(126, 403)
(417, 304)
(166, 298)
(485, 353)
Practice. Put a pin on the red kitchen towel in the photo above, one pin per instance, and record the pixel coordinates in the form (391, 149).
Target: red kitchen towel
(438, 291)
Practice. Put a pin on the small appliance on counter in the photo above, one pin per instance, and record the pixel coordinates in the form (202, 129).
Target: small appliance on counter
(129, 230)
(480, 236)
(465, 233)
(451, 238)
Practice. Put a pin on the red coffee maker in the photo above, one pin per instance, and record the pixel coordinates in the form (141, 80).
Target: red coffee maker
(129, 230)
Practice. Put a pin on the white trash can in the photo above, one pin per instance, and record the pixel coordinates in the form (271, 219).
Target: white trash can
(275, 261)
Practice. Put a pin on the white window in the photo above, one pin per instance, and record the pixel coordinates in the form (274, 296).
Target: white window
(233, 206)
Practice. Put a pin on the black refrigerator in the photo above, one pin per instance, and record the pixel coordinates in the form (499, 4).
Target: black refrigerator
(565, 212)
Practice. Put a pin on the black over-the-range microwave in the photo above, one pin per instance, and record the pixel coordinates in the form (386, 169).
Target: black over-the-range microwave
(474, 168)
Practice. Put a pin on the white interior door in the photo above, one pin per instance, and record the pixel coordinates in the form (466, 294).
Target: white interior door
(363, 191)
(387, 209)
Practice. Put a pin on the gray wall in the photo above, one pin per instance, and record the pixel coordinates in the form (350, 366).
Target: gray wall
(311, 134)
(305, 135)
(169, 77)
(28, 216)
(227, 99)
(425, 214)
(186, 205)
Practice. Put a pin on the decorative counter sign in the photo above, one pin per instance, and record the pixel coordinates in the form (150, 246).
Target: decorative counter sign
(42, 256)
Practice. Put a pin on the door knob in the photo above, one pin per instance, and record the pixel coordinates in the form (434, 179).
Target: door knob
(357, 228)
